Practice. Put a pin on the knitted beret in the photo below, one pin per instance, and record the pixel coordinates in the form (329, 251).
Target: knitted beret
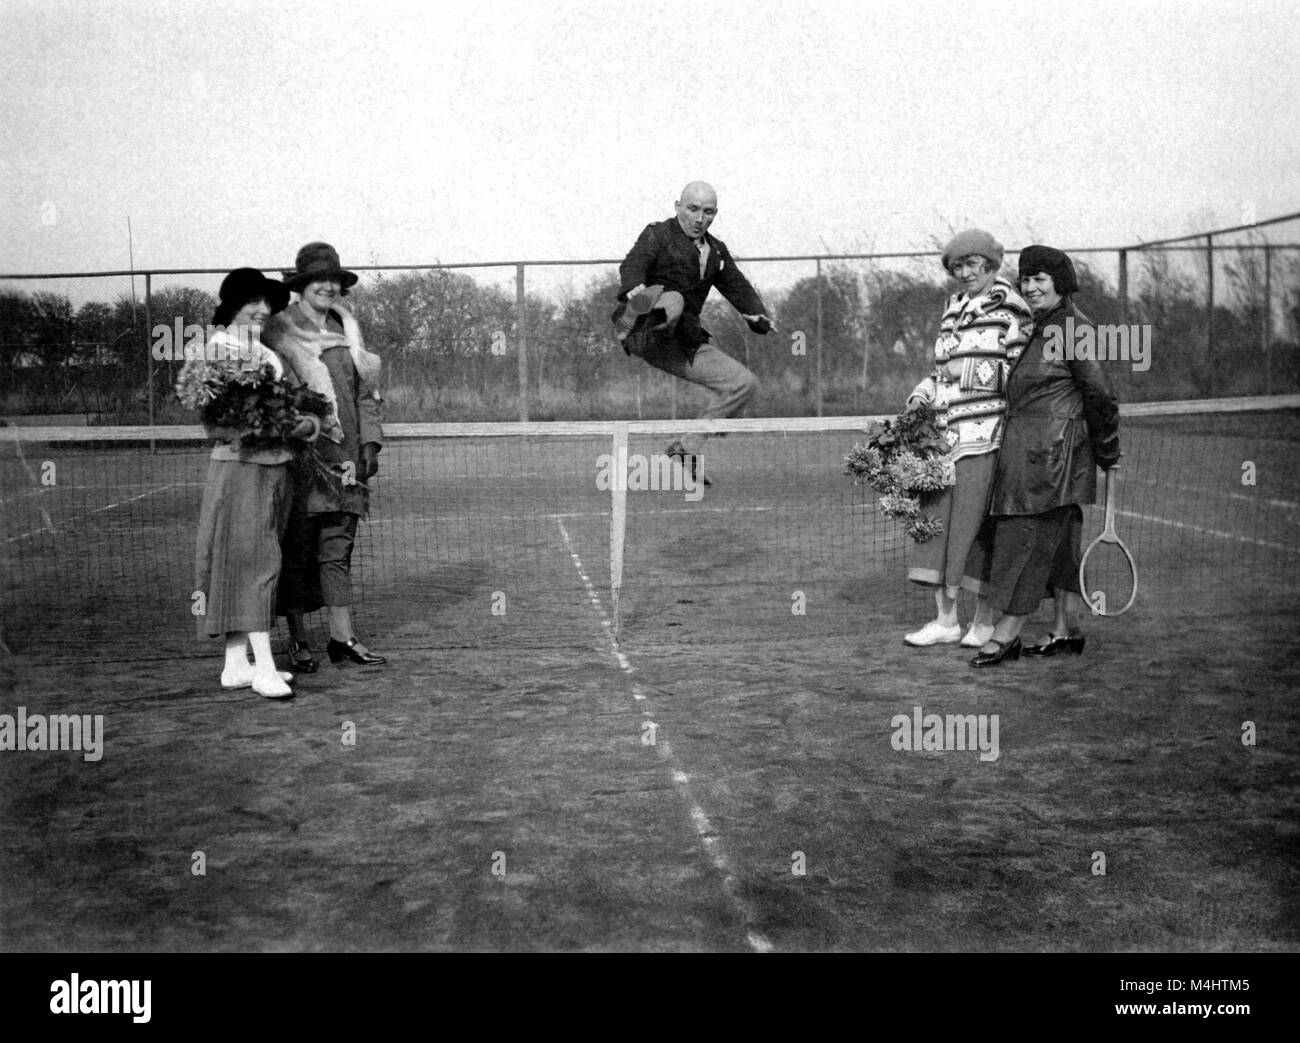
(972, 241)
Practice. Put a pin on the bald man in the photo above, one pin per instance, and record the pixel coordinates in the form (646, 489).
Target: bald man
(681, 257)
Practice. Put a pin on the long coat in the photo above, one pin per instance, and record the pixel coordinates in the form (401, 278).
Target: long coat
(1062, 423)
(358, 409)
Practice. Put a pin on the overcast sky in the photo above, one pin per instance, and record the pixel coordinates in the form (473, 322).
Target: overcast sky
(231, 132)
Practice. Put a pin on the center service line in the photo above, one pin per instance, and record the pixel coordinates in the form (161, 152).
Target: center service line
(709, 839)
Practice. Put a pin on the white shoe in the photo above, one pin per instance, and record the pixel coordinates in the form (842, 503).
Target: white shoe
(244, 678)
(934, 633)
(271, 685)
(977, 636)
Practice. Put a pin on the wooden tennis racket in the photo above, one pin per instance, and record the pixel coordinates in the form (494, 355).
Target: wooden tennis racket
(1107, 572)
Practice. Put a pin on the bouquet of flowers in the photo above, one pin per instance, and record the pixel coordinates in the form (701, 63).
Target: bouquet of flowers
(903, 459)
(257, 404)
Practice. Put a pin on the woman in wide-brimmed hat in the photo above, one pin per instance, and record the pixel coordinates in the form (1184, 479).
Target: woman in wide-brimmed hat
(246, 497)
(1062, 424)
(321, 342)
(985, 325)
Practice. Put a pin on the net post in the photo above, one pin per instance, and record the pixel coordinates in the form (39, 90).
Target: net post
(521, 335)
(617, 521)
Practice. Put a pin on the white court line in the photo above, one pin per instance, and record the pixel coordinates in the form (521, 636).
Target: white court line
(49, 525)
(45, 515)
(132, 499)
(709, 839)
(1288, 504)
(30, 492)
(1211, 532)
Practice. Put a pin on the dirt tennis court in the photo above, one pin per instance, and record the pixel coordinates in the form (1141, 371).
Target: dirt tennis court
(503, 792)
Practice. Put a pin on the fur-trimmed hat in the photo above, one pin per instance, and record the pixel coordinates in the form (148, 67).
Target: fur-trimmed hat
(972, 241)
(318, 261)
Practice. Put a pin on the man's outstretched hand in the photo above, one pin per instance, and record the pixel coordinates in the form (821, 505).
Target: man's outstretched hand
(760, 323)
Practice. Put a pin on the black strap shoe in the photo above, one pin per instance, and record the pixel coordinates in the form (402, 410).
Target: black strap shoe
(1072, 643)
(301, 661)
(1006, 650)
(354, 652)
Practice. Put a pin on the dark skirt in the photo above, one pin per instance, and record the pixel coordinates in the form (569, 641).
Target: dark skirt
(237, 565)
(1021, 559)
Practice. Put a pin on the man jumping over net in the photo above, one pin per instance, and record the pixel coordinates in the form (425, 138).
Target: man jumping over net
(663, 284)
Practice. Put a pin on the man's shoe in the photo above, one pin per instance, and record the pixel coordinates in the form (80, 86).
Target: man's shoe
(676, 448)
(933, 633)
(697, 472)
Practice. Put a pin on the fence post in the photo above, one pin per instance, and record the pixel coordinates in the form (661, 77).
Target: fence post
(521, 331)
(1123, 287)
(1209, 313)
(866, 354)
(818, 376)
(1268, 319)
(148, 350)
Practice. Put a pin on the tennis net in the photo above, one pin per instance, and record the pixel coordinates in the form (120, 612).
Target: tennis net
(561, 535)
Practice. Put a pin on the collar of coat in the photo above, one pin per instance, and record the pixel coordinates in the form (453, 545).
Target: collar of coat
(1062, 310)
(971, 308)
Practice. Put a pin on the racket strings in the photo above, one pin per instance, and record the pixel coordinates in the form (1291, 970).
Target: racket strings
(1108, 578)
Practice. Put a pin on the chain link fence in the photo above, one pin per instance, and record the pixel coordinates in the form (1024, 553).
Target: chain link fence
(1201, 316)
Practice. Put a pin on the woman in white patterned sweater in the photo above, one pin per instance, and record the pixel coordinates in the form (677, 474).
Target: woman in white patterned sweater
(985, 327)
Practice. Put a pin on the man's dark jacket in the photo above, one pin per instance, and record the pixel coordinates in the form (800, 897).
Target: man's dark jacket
(664, 254)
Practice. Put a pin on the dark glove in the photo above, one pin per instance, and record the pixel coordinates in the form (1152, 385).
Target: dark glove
(1107, 454)
(369, 461)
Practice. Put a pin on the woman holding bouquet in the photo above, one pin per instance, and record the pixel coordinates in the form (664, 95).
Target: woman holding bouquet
(984, 327)
(239, 392)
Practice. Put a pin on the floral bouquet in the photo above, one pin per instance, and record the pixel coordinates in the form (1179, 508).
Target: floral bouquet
(257, 404)
(903, 459)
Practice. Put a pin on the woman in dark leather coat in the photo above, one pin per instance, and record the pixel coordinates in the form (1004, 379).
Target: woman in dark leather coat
(1062, 423)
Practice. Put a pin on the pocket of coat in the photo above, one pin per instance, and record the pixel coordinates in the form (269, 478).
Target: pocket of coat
(1044, 454)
